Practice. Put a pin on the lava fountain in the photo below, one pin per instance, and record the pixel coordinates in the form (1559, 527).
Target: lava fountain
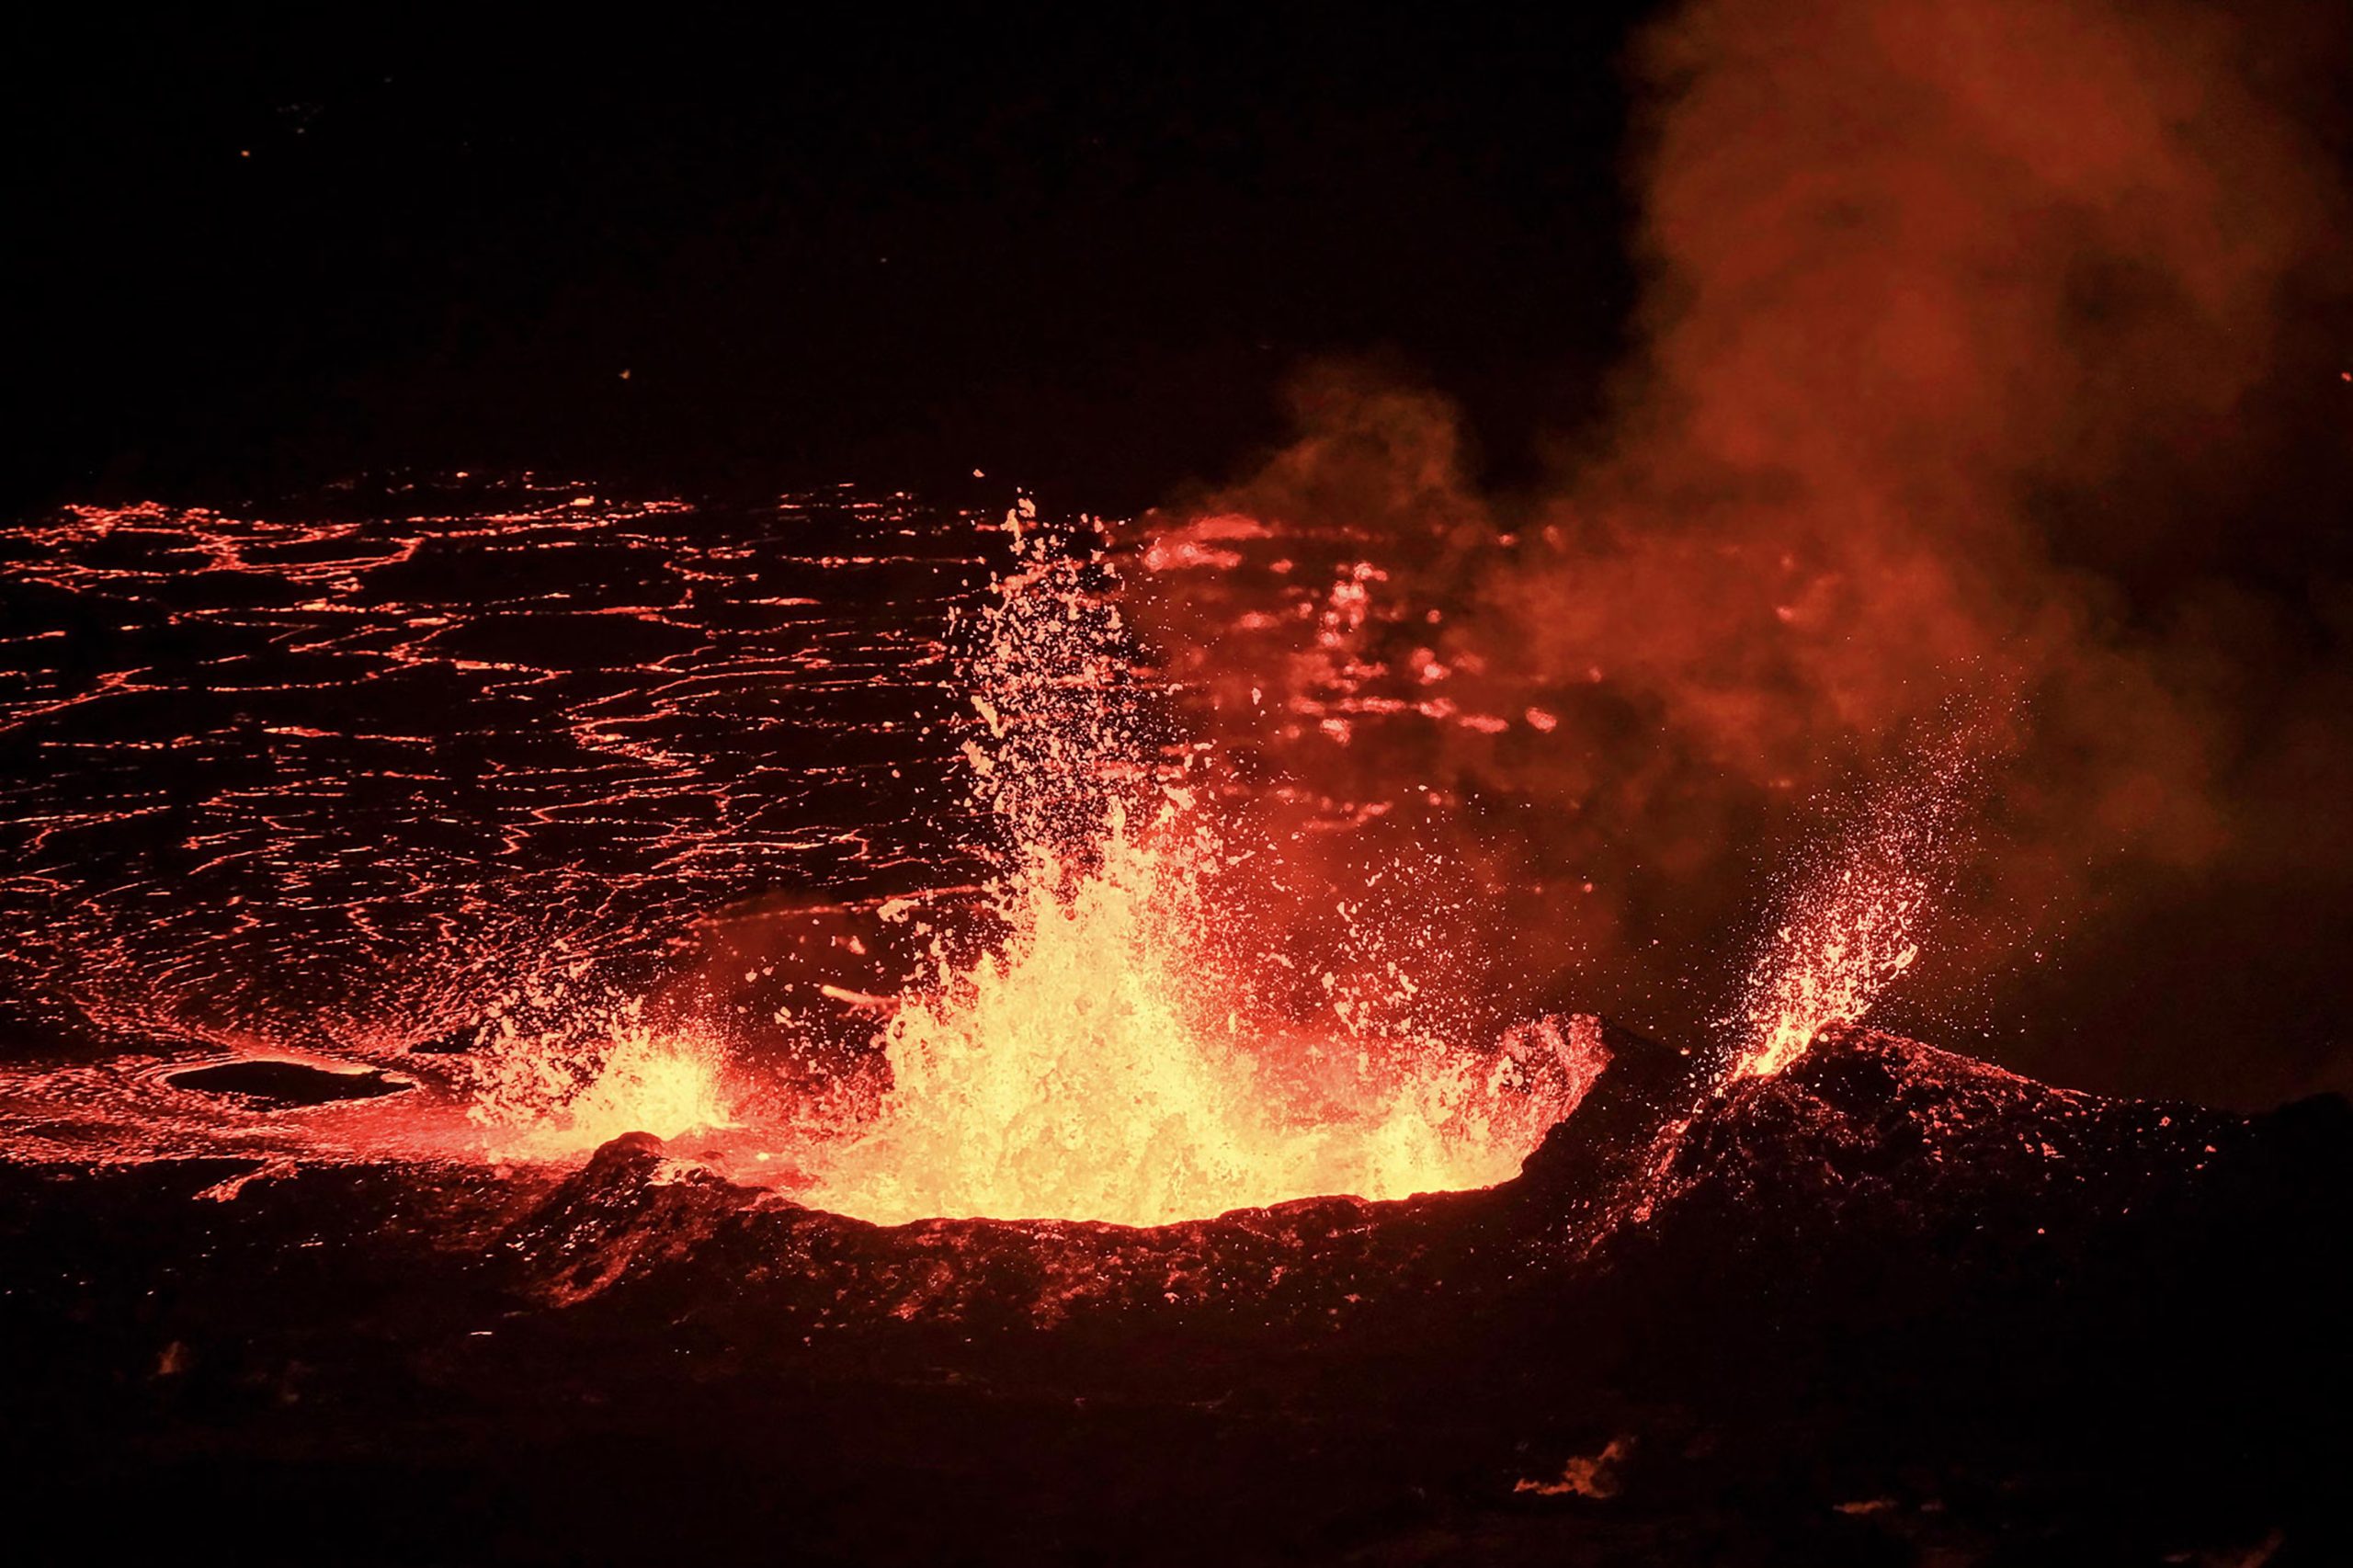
(1106, 1059)
(1850, 916)
(566, 1090)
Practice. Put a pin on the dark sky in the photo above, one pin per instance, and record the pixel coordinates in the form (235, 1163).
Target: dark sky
(1080, 248)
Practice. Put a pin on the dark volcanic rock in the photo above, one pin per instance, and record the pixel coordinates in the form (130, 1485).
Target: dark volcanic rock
(286, 1082)
(635, 1221)
(1987, 1319)
(1945, 1169)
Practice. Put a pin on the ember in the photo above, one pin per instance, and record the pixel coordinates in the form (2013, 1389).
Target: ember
(567, 1092)
(1852, 919)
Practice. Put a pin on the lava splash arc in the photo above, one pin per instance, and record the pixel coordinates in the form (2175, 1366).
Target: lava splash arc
(1106, 1059)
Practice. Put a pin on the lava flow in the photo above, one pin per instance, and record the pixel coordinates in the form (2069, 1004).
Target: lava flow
(1119, 1028)
(1104, 1057)
(1111, 1031)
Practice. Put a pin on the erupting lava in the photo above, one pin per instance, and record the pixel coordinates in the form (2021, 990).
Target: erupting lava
(1846, 940)
(1116, 1034)
(1106, 1062)
(566, 1092)
(1094, 1068)
(1850, 925)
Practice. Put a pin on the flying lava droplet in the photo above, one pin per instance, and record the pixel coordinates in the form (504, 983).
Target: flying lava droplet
(1103, 1062)
(1850, 922)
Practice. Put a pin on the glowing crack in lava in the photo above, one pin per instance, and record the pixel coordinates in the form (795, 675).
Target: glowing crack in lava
(1104, 1060)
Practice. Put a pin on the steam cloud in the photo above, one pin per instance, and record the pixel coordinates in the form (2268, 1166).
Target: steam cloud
(1989, 363)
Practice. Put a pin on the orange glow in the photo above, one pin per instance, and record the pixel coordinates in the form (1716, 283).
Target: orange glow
(1105, 1062)
(1095, 1069)
(1150, 1032)
(1852, 925)
(1829, 963)
(545, 1097)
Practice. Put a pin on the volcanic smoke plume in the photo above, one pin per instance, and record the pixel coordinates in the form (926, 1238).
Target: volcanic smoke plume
(1978, 372)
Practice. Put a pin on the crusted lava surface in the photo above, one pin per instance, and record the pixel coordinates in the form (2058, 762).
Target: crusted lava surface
(1891, 1305)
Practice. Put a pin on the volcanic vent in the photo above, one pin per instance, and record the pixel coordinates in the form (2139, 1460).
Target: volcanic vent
(1096, 1044)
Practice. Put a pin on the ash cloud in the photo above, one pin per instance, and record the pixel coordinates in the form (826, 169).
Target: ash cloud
(1990, 361)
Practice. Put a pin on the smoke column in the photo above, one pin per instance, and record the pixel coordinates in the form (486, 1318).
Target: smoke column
(1988, 355)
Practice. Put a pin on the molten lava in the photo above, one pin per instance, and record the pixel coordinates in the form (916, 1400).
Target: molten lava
(1120, 1035)
(1849, 938)
(1097, 1068)
(1106, 1061)
(1850, 922)
(545, 1095)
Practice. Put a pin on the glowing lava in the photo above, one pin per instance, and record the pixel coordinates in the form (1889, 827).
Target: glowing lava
(551, 1094)
(1850, 925)
(1116, 1040)
(1105, 1061)
(1846, 939)
(1095, 1069)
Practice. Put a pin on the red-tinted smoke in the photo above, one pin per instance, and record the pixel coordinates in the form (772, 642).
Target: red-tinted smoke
(1985, 367)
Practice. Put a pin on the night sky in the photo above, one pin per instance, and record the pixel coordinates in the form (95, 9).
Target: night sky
(1080, 248)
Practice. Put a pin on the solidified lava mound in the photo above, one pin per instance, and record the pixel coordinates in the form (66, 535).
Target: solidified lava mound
(285, 1083)
(1891, 1305)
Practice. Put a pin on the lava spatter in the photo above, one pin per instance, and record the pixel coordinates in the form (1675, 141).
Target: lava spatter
(1852, 914)
(1107, 1060)
(603, 1072)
